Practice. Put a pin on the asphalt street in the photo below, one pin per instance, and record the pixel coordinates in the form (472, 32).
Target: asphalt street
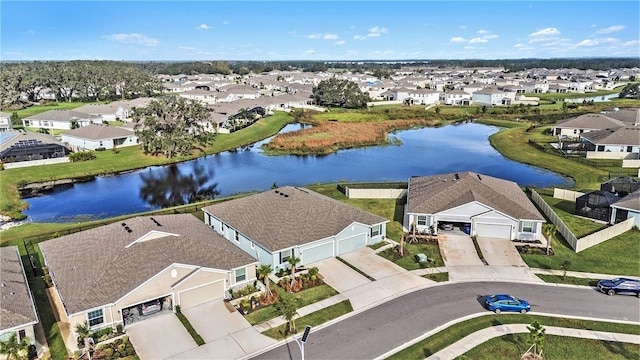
(380, 329)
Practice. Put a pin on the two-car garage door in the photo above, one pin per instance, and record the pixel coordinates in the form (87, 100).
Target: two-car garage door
(494, 231)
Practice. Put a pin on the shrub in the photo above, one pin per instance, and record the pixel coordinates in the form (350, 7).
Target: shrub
(100, 149)
(119, 328)
(82, 156)
(121, 348)
(130, 350)
(108, 352)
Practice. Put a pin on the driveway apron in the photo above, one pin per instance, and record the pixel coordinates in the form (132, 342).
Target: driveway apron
(339, 276)
(160, 337)
(458, 250)
(500, 252)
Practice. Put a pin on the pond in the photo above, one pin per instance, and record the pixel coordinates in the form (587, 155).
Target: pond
(426, 151)
(600, 98)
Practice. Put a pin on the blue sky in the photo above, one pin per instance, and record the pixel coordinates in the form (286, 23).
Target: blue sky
(317, 30)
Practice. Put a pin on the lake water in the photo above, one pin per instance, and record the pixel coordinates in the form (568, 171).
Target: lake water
(600, 98)
(427, 151)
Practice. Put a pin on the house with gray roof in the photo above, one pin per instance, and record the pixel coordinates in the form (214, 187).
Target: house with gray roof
(60, 119)
(22, 147)
(483, 205)
(625, 208)
(575, 126)
(142, 265)
(622, 141)
(291, 221)
(17, 308)
(92, 137)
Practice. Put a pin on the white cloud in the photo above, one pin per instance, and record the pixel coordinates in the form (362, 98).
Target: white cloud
(462, 27)
(611, 29)
(359, 37)
(377, 31)
(186, 48)
(490, 36)
(478, 40)
(203, 27)
(458, 40)
(632, 43)
(340, 42)
(31, 32)
(518, 45)
(482, 32)
(132, 39)
(326, 36)
(310, 52)
(545, 33)
(595, 42)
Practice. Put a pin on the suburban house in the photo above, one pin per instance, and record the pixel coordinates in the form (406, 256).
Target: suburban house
(491, 97)
(60, 119)
(483, 205)
(17, 308)
(457, 97)
(20, 146)
(142, 265)
(107, 112)
(92, 137)
(202, 95)
(5, 122)
(289, 221)
(575, 126)
(625, 208)
(623, 141)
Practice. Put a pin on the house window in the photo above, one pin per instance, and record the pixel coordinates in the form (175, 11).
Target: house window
(96, 317)
(600, 147)
(375, 230)
(527, 226)
(237, 236)
(629, 148)
(422, 220)
(284, 255)
(21, 335)
(241, 275)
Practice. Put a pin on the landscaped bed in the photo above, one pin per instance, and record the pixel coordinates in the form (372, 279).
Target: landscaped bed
(408, 260)
(313, 319)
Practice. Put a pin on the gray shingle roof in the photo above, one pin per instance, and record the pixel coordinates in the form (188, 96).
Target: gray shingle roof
(289, 216)
(16, 304)
(98, 132)
(433, 194)
(630, 202)
(95, 267)
(63, 115)
(590, 121)
(616, 136)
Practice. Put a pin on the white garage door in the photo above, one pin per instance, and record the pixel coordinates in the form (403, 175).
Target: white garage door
(352, 243)
(202, 294)
(494, 231)
(317, 253)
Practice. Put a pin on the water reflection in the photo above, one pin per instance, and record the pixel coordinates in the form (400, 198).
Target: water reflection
(170, 187)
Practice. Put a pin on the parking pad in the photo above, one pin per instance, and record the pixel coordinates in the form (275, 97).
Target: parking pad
(160, 337)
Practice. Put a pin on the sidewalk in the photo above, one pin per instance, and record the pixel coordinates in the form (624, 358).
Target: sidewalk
(577, 274)
(479, 337)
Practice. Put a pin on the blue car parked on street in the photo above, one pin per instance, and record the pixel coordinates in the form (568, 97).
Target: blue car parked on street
(503, 302)
(620, 286)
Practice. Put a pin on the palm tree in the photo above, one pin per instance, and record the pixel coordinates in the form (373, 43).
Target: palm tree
(14, 349)
(550, 231)
(263, 272)
(83, 331)
(293, 262)
(288, 309)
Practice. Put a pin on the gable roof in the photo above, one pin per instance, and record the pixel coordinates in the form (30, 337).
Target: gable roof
(63, 115)
(98, 132)
(433, 194)
(289, 216)
(616, 136)
(96, 267)
(629, 202)
(16, 303)
(590, 121)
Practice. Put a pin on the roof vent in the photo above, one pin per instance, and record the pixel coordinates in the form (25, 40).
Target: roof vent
(2, 284)
(128, 229)
(155, 221)
(479, 178)
(456, 177)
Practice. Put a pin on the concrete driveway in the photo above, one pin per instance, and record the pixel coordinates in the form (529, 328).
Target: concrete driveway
(458, 250)
(339, 276)
(160, 337)
(226, 333)
(500, 252)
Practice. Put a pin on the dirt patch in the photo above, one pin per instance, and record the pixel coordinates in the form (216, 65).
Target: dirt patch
(534, 250)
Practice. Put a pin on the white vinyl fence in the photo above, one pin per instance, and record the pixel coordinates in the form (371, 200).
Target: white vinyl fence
(374, 193)
(565, 194)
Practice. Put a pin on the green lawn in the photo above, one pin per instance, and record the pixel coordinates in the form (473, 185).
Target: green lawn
(313, 319)
(409, 262)
(558, 279)
(512, 346)
(303, 298)
(579, 226)
(618, 256)
(450, 335)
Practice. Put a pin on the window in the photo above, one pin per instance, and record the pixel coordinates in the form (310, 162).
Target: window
(600, 147)
(527, 226)
(422, 220)
(629, 148)
(241, 275)
(375, 230)
(284, 255)
(237, 236)
(96, 317)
